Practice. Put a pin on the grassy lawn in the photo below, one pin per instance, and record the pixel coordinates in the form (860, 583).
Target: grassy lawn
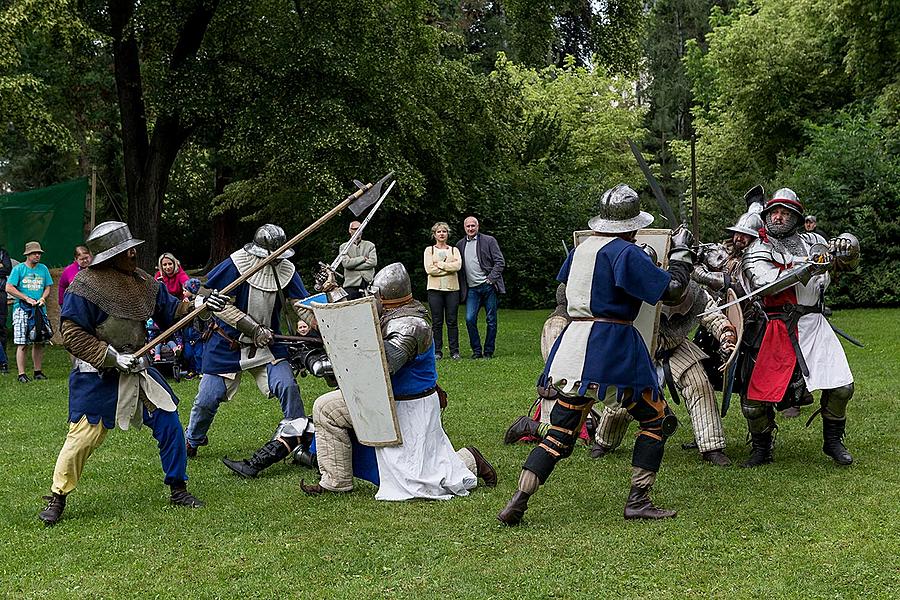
(799, 528)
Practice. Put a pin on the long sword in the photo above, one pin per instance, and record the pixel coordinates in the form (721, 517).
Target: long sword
(846, 335)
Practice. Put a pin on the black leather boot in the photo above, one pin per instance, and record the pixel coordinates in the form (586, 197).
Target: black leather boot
(268, 455)
(599, 450)
(181, 497)
(639, 506)
(833, 446)
(515, 509)
(760, 450)
(56, 504)
(521, 427)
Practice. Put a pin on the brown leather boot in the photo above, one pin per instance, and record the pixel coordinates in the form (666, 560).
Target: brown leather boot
(56, 504)
(639, 506)
(483, 469)
(716, 457)
(515, 509)
(521, 427)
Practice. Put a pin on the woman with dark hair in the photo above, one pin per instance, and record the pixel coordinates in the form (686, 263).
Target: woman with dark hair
(442, 262)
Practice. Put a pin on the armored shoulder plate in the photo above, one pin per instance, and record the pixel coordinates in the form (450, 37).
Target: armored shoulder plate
(413, 327)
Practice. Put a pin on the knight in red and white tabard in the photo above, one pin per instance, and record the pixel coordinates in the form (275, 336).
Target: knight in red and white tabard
(790, 269)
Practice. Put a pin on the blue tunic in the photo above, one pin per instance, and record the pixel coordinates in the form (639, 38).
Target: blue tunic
(95, 394)
(416, 376)
(218, 357)
(623, 278)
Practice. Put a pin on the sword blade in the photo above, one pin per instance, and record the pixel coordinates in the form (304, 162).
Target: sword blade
(362, 226)
(846, 335)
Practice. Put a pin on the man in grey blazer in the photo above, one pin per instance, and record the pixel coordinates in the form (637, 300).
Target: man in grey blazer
(480, 280)
(359, 264)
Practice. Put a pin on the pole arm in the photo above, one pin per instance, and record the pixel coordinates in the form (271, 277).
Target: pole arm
(261, 264)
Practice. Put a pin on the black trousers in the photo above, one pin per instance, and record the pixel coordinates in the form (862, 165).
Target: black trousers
(444, 307)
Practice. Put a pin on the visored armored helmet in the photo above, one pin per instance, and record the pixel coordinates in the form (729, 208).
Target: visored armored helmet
(620, 212)
(392, 284)
(785, 197)
(109, 239)
(267, 239)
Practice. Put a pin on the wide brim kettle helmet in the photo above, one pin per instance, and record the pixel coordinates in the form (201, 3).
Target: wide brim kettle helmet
(620, 212)
(108, 239)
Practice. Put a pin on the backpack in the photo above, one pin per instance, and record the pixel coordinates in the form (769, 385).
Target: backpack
(38, 329)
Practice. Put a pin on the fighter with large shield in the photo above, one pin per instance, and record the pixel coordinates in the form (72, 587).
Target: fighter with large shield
(600, 356)
(389, 399)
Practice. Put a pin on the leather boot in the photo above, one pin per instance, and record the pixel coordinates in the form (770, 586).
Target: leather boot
(268, 455)
(760, 450)
(716, 457)
(639, 506)
(833, 435)
(515, 509)
(483, 469)
(56, 504)
(599, 450)
(181, 497)
(520, 428)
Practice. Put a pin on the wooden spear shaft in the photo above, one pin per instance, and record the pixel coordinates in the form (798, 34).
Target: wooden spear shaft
(291, 242)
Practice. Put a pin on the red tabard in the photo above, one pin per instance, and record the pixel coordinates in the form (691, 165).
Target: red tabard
(776, 359)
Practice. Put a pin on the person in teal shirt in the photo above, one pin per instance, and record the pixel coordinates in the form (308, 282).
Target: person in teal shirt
(29, 284)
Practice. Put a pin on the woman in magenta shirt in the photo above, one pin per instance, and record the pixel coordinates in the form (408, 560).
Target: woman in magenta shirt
(83, 258)
(171, 274)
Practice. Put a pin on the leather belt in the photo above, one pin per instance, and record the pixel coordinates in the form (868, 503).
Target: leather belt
(425, 394)
(604, 320)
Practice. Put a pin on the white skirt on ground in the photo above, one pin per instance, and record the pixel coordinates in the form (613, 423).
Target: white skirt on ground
(426, 465)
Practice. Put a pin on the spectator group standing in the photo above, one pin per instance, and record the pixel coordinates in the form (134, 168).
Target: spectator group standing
(480, 280)
(29, 283)
(442, 263)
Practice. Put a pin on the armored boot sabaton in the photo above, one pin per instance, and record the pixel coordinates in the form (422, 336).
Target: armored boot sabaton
(639, 506)
(268, 455)
(832, 435)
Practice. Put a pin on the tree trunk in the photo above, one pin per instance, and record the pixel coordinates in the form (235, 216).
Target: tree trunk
(223, 238)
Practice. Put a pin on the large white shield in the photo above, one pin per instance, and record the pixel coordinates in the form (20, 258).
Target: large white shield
(355, 347)
(647, 321)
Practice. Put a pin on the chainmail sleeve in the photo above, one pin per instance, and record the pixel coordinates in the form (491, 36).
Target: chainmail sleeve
(83, 345)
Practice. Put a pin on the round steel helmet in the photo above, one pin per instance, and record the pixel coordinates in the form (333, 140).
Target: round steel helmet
(620, 212)
(109, 239)
(392, 282)
(786, 198)
(748, 223)
(267, 239)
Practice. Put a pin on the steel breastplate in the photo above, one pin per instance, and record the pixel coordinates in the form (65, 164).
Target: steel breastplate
(125, 335)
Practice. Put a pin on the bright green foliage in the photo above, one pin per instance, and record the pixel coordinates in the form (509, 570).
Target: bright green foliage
(804, 93)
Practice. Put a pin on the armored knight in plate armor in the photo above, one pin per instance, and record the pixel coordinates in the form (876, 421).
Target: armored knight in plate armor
(102, 324)
(789, 267)
(600, 356)
(679, 359)
(240, 341)
(425, 464)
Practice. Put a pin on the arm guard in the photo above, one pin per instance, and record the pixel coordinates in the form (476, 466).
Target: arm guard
(678, 286)
(716, 322)
(404, 339)
(714, 280)
(239, 320)
(83, 345)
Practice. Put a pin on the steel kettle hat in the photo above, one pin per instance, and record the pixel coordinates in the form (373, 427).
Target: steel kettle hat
(620, 212)
(748, 223)
(109, 239)
(267, 239)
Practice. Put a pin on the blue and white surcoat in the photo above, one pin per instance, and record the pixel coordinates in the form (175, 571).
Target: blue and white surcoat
(606, 278)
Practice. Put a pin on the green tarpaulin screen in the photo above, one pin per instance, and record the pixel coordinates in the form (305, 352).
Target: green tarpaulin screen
(53, 216)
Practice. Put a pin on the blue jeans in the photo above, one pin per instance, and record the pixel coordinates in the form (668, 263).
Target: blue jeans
(482, 295)
(211, 394)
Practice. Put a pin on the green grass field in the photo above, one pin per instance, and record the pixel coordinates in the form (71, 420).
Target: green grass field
(799, 528)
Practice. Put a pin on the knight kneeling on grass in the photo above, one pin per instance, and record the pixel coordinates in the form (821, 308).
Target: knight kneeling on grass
(423, 464)
(102, 324)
